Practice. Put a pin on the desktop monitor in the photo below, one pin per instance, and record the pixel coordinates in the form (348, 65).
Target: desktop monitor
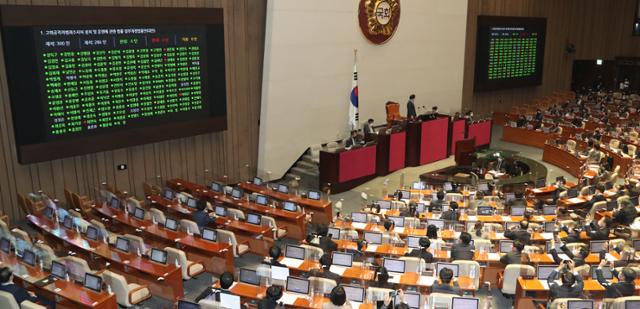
(297, 285)
(632, 304)
(413, 242)
(548, 246)
(254, 219)
(606, 273)
(483, 187)
(262, 200)
(437, 222)
(373, 238)
(114, 203)
(359, 217)
(404, 194)
(294, 252)
(122, 244)
(636, 244)
(421, 208)
(48, 213)
(579, 304)
(168, 194)
(417, 185)
(283, 188)
(342, 259)
(171, 224)
(510, 225)
(453, 267)
(485, 211)
(29, 257)
(506, 246)
(465, 303)
(93, 282)
(541, 183)
(597, 246)
(290, 206)
(447, 186)
(257, 181)
(518, 211)
(192, 203)
(249, 276)
(216, 187)
(183, 198)
(279, 273)
(183, 304)
(220, 211)
(354, 293)
(236, 193)
(334, 233)
(313, 195)
(209, 234)
(5, 245)
(92, 233)
(394, 265)
(159, 256)
(544, 271)
(384, 204)
(138, 213)
(58, 270)
(571, 193)
(549, 210)
(68, 222)
(397, 220)
(412, 299)
(230, 301)
(549, 227)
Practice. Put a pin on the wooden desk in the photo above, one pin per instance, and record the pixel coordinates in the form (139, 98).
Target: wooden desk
(525, 136)
(563, 159)
(216, 257)
(322, 210)
(347, 169)
(294, 221)
(370, 227)
(72, 294)
(137, 269)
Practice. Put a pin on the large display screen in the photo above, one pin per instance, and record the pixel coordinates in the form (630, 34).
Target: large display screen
(85, 83)
(509, 52)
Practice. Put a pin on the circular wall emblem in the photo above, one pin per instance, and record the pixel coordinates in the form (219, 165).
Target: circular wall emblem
(379, 19)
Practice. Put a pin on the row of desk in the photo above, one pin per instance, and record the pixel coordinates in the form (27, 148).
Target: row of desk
(421, 142)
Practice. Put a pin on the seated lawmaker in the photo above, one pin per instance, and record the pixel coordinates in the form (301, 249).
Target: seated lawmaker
(451, 214)
(444, 285)
(437, 204)
(201, 217)
(324, 272)
(422, 252)
(19, 293)
(571, 283)
(599, 230)
(367, 128)
(463, 250)
(519, 232)
(625, 285)
(352, 140)
(326, 243)
(338, 299)
(626, 213)
(270, 300)
(274, 256)
(515, 256)
(577, 259)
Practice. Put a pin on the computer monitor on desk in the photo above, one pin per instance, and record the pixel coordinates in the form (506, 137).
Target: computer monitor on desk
(359, 217)
(384, 205)
(632, 304)
(313, 195)
(506, 246)
(171, 224)
(220, 211)
(138, 213)
(518, 211)
(58, 270)
(29, 257)
(394, 265)
(297, 285)
(283, 188)
(168, 194)
(93, 282)
(192, 203)
(397, 220)
(334, 233)
(465, 303)
(580, 304)
(417, 185)
(606, 273)
(354, 293)
(597, 246)
(571, 193)
(294, 252)
(549, 210)
(447, 187)
(254, 219)
(209, 234)
(216, 187)
(437, 222)
(122, 244)
(413, 242)
(412, 299)
(183, 304)
(404, 194)
(541, 183)
(262, 200)
(290, 206)
(373, 238)
(249, 276)
(159, 256)
(544, 271)
(92, 233)
(342, 259)
(5, 245)
(236, 193)
(453, 267)
(257, 181)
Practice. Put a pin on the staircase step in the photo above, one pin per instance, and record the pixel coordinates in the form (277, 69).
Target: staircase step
(304, 172)
(290, 176)
(308, 158)
(306, 165)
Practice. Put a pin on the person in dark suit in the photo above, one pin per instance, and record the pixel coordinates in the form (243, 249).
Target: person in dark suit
(19, 293)
(520, 233)
(411, 107)
(352, 140)
(226, 281)
(200, 216)
(444, 285)
(422, 252)
(437, 204)
(270, 300)
(626, 214)
(599, 230)
(571, 283)
(324, 272)
(452, 213)
(274, 253)
(326, 243)
(367, 128)
(577, 259)
(598, 196)
(515, 256)
(463, 250)
(625, 285)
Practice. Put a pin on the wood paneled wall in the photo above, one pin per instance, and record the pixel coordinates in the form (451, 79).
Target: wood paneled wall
(232, 152)
(600, 29)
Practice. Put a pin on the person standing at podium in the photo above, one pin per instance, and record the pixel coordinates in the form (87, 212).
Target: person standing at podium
(411, 107)
(367, 128)
(352, 140)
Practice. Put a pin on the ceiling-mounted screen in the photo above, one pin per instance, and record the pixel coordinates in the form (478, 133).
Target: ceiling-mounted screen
(509, 52)
(87, 79)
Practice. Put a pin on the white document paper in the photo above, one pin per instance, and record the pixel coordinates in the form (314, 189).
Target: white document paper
(493, 256)
(426, 281)
(547, 236)
(358, 225)
(506, 218)
(398, 229)
(289, 298)
(372, 248)
(338, 270)
(293, 263)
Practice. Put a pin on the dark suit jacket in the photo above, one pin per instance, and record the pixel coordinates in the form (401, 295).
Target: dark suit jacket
(462, 252)
(523, 235)
(597, 233)
(557, 290)
(411, 109)
(19, 293)
(425, 255)
(615, 290)
(445, 288)
(450, 215)
(327, 244)
(512, 257)
(202, 219)
(556, 258)
(625, 216)
(267, 303)
(436, 205)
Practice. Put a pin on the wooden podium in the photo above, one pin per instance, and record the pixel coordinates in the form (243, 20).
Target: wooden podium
(464, 152)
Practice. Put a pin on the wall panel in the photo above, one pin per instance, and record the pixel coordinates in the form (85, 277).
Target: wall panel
(598, 28)
(221, 153)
